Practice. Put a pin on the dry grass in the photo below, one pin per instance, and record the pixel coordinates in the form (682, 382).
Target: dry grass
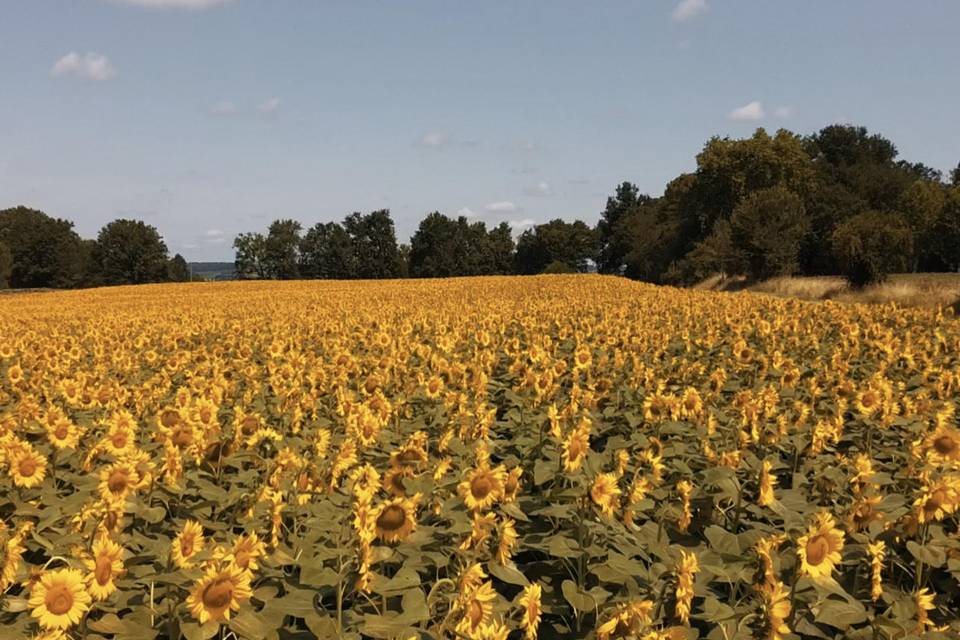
(909, 289)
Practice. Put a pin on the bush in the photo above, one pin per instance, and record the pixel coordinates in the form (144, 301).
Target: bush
(559, 267)
(870, 246)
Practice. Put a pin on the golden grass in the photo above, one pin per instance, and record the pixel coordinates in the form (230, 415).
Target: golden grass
(908, 289)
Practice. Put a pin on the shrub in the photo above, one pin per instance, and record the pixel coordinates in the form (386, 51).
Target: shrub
(558, 266)
(870, 246)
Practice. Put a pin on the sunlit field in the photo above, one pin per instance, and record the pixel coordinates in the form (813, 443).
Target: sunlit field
(491, 458)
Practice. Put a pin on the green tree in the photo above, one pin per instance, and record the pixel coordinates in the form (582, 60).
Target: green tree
(872, 245)
(499, 250)
(177, 269)
(6, 265)
(943, 241)
(767, 229)
(326, 251)
(556, 241)
(130, 252)
(374, 240)
(922, 205)
(44, 251)
(281, 253)
(250, 255)
(955, 176)
(613, 249)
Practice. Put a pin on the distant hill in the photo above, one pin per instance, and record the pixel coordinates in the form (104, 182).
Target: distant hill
(213, 270)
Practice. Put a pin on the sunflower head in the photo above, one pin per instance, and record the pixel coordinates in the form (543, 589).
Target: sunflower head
(819, 550)
(218, 592)
(59, 599)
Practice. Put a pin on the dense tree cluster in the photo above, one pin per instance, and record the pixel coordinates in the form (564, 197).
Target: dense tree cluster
(837, 201)
(37, 251)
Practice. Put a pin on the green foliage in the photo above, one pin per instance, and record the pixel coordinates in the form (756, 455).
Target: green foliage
(130, 252)
(767, 229)
(613, 250)
(44, 251)
(281, 250)
(326, 251)
(556, 241)
(870, 246)
(250, 260)
(178, 270)
(6, 265)
(559, 267)
(374, 242)
(442, 247)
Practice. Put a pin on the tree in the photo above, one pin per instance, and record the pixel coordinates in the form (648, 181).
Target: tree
(613, 250)
(374, 241)
(326, 251)
(281, 250)
(955, 176)
(130, 252)
(499, 250)
(556, 241)
(44, 251)
(872, 245)
(177, 269)
(767, 229)
(6, 265)
(943, 241)
(250, 257)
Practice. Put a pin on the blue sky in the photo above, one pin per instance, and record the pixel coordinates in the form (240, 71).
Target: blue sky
(206, 118)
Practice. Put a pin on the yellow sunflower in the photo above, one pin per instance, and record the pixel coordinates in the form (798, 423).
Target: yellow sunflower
(117, 481)
(218, 592)
(105, 566)
(59, 599)
(819, 550)
(944, 444)
(27, 468)
(530, 603)
(605, 493)
(483, 487)
(576, 446)
(776, 608)
(477, 608)
(63, 433)
(187, 544)
(247, 551)
(395, 519)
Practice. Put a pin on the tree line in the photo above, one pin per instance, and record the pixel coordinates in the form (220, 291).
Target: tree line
(839, 201)
(38, 251)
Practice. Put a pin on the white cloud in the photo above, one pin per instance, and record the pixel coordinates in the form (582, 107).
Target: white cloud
(541, 189)
(174, 4)
(434, 139)
(214, 236)
(688, 10)
(92, 66)
(783, 112)
(526, 222)
(224, 108)
(504, 206)
(750, 111)
(466, 212)
(269, 106)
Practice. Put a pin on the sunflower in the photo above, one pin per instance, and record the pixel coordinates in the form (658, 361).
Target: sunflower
(530, 603)
(943, 445)
(605, 493)
(482, 487)
(819, 550)
(105, 566)
(247, 551)
(938, 499)
(477, 608)
(767, 482)
(627, 621)
(59, 599)
(576, 446)
(63, 433)
(117, 481)
(687, 569)
(187, 544)
(923, 600)
(27, 467)
(685, 489)
(218, 592)
(508, 540)
(395, 519)
(776, 608)
(434, 387)
(877, 551)
(869, 401)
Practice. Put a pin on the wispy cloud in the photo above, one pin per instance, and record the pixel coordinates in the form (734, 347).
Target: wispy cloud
(94, 67)
(225, 108)
(173, 4)
(466, 212)
(748, 112)
(503, 206)
(271, 105)
(783, 112)
(525, 222)
(539, 190)
(434, 139)
(688, 10)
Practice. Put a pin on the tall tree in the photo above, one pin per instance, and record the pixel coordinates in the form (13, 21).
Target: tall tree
(767, 229)
(573, 244)
(250, 257)
(6, 265)
(613, 250)
(177, 269)
(44, 251)
(326, 251)
(374, 240)
(130, 252)
(499, 250)
(281, 249)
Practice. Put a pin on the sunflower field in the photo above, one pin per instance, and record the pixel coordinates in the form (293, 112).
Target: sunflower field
(477, 458)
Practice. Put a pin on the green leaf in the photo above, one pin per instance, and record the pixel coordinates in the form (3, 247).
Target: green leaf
(509, 574)
(840, 614)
